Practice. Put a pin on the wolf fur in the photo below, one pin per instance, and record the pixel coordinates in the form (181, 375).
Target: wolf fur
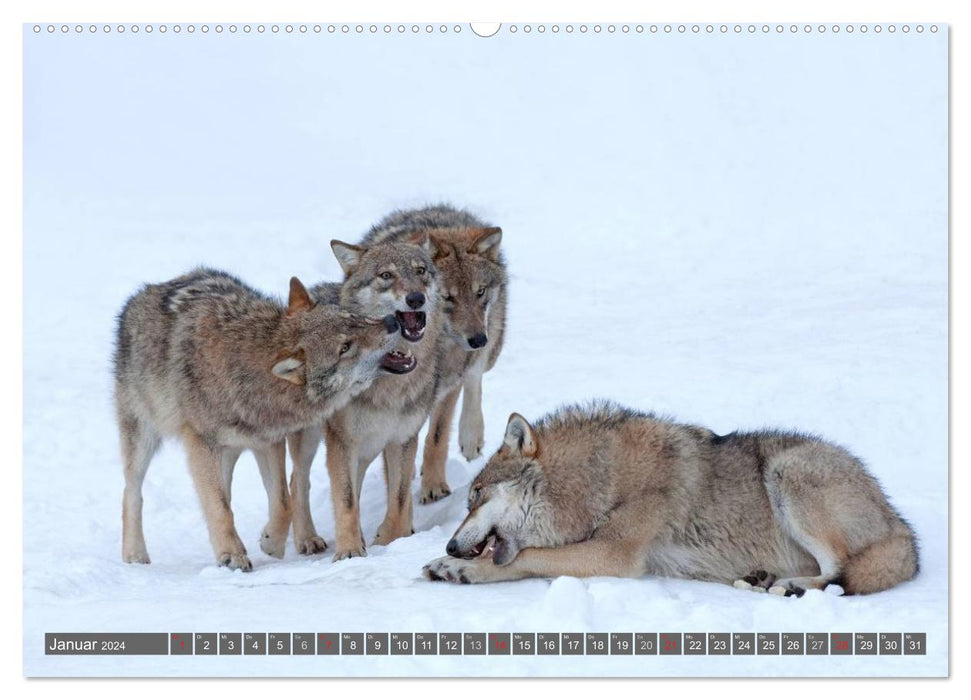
(472, 285)
(207, 359)
(603, 490)
(381, 277)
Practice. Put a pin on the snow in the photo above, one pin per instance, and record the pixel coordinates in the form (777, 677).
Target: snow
(738, 231)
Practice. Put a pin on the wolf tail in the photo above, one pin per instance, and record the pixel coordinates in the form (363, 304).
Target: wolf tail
(883, 564)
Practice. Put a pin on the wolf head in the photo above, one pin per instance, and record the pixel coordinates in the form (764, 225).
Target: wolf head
(394, 277)
(507, 506)
(332, 352)
(470, 276)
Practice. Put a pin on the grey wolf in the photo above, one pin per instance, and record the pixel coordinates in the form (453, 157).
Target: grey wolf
(380, 277)
(601, 490)
(211, 361)
(472, 285)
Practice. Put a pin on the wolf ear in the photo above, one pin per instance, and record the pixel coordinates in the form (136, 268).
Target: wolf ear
(438, 249)
(349, 256)
(420, 239)
(520, 436)
(485, 242)
(299, 298)
(291, 368)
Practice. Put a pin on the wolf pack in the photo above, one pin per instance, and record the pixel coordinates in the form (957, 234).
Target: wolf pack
(362, 365)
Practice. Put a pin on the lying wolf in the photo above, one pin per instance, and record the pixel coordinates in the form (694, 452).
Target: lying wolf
(601, 490)
(207, 359)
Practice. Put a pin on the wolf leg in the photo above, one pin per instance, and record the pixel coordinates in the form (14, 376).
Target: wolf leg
(229, 458)
(205, 464)
(341, 467)
(139, 443)
(879, 566)
(273, 470)
(826, 501)
(433, 484)
(303, 447)
(589, 558)
(618, 548)
(797, 489)
(471, 425)
(399, 469)
(824, 545)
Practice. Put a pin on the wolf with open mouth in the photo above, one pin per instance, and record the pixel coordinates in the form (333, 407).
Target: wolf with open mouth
(396, 277)
(201, 358)
(601, 490)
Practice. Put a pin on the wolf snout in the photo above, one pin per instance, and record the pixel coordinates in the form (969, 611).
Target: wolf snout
(477, 341)
(452, 547)
(415, 300)
(391, 323)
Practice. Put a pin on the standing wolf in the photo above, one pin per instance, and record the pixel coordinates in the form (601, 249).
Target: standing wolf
(403, 265)
(472, 285)
(207, 359)
(605, 491)
(381, 277)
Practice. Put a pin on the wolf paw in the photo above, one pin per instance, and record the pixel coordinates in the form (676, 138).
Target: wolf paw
(435, 492)
(389, 532)
(138, 556)
(787, 589)
(744, 585)
(471, 448)
(273, 544)
(759, 579)
(758, 582)
(235, 561)
(312, 544)
(451, 569)
(350, 552)
(471, 436)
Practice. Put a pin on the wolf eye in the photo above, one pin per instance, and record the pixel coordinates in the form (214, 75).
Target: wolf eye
(421, 271)
(480, 292)
(448, 297)
(345, 348)
(386, 276)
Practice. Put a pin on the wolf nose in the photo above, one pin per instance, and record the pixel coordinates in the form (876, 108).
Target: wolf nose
(451, 548)
(478, 340)
(415, 300)
(391, 323)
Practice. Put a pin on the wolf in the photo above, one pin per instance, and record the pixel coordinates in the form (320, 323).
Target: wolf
(472, 283)
(380, 277)
(602, 490)
(211, 361)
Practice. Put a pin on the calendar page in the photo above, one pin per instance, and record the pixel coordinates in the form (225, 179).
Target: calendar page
(450, 350)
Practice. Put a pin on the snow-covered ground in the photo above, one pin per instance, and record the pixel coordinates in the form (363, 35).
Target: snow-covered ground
(738, 231)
